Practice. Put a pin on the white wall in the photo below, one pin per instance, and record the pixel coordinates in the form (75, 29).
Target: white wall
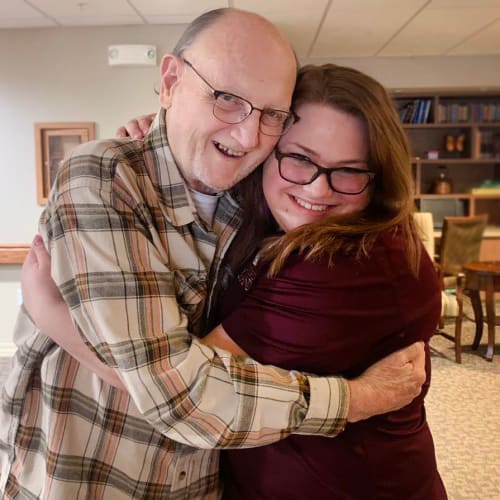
(10, 276)
(62, 75)
(52, 75)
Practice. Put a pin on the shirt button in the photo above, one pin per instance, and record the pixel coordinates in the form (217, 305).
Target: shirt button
(182, 475)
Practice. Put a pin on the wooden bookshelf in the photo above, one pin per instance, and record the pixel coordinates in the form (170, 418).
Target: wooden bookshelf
(471, 117)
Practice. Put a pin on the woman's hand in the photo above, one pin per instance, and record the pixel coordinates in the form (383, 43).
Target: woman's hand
(40, 294)
(136, 128)
(51, 315)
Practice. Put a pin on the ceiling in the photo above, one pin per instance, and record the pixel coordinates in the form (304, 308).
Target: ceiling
(317, 28)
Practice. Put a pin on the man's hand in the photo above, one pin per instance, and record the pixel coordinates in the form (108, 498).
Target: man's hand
(136, 128)
(389, 384)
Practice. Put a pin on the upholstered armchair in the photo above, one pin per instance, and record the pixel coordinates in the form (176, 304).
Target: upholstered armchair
(460, 243)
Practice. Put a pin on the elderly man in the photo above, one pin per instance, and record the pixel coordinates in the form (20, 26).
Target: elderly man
(136, 230)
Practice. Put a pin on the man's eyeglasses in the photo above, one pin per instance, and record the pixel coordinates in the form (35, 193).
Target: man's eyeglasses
(230, 108)
(344, 179)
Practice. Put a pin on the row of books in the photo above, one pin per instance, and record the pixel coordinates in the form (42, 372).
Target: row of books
(416, 111)
(468, 112)
(488, 144)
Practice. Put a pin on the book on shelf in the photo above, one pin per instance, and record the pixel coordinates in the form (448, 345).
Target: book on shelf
(485, 140)
(485, 112)
(415, 111)
(427, 110)
(454, 112)
(489, 186)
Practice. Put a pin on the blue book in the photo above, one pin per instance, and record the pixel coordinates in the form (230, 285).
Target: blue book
(427, 110)
(418, 111)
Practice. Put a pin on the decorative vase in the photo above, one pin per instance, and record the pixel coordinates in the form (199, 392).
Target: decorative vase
(442, 184)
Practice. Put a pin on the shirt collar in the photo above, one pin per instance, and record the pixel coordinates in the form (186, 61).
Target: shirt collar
(179, 207)
(178, 204)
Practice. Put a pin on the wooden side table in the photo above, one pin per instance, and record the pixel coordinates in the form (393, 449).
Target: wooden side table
(483, 276)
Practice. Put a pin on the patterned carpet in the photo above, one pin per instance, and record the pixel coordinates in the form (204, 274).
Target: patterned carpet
(463, 408)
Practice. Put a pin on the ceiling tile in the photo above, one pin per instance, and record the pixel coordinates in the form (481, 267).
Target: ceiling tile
(175, 11)
(379, 5)
(100, 20)
(297, 19)
(14, 13)
(354, 31)
(89, 12)
(264, 7)
(317, 28)
(454, 4)
(487, 41)
(443, 28)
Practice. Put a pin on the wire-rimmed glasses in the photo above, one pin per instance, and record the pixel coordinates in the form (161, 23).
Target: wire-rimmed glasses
(231, 108)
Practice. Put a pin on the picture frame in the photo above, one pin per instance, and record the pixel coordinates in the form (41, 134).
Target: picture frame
(53, 142)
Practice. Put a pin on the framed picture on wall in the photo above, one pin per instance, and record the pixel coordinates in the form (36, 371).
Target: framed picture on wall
(53, 143)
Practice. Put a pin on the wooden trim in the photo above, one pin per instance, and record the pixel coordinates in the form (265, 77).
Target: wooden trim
(445, 91)
(13, 253)
(461, 196)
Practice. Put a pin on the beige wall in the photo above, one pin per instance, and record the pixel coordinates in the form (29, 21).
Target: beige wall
(62, 75)
(418, 72)
(59, 75)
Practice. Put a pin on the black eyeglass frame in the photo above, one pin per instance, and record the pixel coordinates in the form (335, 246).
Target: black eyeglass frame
(320, 170)
(289, 121)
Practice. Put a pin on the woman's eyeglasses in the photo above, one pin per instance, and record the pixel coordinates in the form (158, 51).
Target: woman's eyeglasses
(344, 179)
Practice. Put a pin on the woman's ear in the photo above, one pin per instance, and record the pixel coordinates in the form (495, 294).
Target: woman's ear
(171, 70)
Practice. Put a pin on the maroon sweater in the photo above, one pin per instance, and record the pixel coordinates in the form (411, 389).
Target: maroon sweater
(338, 320)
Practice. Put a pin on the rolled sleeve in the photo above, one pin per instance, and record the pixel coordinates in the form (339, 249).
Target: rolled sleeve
(322, 418)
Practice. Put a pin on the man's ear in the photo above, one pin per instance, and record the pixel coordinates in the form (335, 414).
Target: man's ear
(171, 70)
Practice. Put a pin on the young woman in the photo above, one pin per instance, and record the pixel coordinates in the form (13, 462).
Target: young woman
(330, 276)
(350, 271)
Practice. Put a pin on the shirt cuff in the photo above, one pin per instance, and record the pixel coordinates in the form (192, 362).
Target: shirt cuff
(328, 406)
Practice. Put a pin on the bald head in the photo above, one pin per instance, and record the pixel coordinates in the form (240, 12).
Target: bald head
(246, 52)
(236, 54)
(248, 24)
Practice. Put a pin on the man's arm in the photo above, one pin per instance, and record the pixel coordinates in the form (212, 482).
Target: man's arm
(47, 309)
(387, 385)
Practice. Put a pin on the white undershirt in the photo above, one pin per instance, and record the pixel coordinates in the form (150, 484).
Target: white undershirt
(206, 205)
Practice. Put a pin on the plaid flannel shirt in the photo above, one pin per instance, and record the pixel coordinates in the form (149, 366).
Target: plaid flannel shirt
(132, 260)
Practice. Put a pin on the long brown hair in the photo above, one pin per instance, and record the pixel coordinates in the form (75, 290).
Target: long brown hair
(391, 204)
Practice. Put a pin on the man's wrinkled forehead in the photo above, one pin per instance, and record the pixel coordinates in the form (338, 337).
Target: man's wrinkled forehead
(242, 41)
